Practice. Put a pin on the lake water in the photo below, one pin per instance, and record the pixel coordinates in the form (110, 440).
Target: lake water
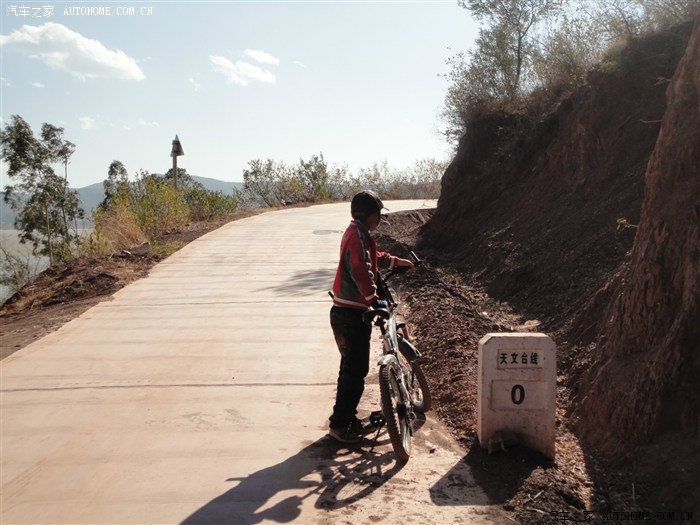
(9, 240)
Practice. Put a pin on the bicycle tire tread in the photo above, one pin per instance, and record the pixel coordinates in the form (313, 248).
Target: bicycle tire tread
(391, 418)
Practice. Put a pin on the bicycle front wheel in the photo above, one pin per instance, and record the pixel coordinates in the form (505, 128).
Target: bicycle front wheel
(394, 410)
(418, 386)
(417, 383)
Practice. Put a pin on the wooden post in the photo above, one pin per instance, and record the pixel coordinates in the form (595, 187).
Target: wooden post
(175, 152)
(175, 170)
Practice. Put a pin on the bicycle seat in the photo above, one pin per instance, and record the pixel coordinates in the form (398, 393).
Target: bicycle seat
(369, 315)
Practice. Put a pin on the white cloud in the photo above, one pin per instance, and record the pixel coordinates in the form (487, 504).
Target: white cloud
(87, 122)
(62, 49)
(241, 73)
(195, 85)
(146, 124)
(38, 85)
(5, 82)
(261, 56)
(300, 64)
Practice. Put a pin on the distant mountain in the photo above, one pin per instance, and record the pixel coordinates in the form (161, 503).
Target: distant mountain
(218, 185)
(7, 216)
(92, 195)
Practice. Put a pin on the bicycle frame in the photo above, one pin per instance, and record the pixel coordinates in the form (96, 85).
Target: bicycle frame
(386, 320)
(399, 372)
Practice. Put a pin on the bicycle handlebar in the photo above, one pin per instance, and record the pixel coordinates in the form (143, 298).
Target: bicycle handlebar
(416, 260)
(369, 315)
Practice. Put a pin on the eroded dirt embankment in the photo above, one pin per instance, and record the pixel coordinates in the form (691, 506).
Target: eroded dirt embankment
(531, 206)
(537, 220)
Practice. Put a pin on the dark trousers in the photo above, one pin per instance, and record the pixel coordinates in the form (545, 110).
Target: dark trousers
(352, 336)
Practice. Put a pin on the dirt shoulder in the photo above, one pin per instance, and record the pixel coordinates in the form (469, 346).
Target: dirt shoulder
(449, 315)
(449, 312)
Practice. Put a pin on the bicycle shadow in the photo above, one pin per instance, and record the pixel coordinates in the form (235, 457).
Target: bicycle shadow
(346, 476)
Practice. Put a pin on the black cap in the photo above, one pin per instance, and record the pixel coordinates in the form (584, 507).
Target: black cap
(365, 203)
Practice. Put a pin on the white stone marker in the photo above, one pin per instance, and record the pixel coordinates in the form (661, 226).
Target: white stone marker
(517, 389)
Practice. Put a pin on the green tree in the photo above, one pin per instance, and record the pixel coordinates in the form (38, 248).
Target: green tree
(260, 181)
(425, 176)
(117, 182)
(508, 40)
(618, 19)
(530, 53)
(184, 179)
(483, 80)
(46, 206)
(340, 183)
(313, 177)
(59, 150)
(568, 53)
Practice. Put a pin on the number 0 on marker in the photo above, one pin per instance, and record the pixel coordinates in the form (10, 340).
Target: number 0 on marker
(517, 394)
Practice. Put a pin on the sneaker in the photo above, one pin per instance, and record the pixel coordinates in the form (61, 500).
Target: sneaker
(345, 435)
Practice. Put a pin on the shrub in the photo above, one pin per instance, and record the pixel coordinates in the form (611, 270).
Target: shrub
(115, 229)
(144, 210)
(159, 208)
(205, 205)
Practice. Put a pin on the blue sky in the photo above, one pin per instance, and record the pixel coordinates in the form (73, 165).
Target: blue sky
(236, 81)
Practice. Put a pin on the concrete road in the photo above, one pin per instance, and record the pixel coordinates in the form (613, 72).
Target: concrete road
(201, 395)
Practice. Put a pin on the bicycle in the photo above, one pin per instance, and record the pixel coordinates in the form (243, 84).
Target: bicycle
(402, 384)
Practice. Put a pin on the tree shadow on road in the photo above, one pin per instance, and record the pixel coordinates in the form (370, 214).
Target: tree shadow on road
(304, 283)
(334, 475)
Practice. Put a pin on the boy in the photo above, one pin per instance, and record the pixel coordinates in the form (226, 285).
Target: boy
(354, 292)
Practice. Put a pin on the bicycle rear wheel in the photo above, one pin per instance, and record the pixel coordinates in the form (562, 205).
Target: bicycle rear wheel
(394, 409)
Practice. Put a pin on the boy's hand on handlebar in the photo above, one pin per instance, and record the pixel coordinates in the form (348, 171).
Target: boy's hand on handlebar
(379, 303)
(404, 263)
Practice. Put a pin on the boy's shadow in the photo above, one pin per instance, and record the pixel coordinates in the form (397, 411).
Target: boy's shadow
(335, 476)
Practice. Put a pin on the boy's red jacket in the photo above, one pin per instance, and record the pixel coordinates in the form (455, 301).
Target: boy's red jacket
(355, 284)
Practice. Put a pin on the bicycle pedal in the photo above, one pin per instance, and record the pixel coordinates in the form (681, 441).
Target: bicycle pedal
(368, 426)
(376, 418)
